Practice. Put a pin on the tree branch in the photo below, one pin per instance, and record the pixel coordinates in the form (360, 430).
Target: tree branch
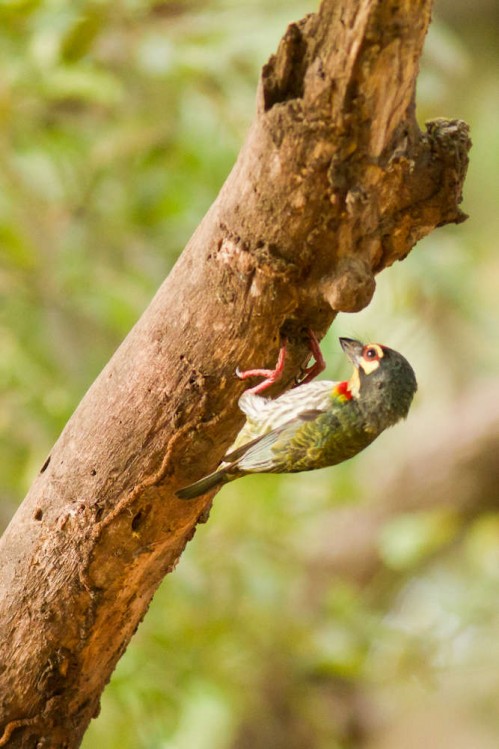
(334, 183)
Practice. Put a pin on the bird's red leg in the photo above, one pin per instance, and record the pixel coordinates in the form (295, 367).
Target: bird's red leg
(271, 375)
(309, 373)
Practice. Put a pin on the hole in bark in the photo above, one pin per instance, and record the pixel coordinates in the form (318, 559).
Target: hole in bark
(93, 472)
(38, 514)
(137, 520)
(98, 514)
(45, 465)
(139, 517)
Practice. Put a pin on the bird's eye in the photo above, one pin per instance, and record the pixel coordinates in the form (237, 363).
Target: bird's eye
(371, 357)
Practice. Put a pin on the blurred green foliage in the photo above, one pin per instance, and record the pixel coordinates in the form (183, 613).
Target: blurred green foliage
(118, 124)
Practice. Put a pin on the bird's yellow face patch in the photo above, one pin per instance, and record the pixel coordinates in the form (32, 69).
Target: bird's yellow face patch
(371, 357)
(354, 384)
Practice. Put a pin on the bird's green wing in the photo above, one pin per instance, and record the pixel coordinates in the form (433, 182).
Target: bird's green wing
(257, 456)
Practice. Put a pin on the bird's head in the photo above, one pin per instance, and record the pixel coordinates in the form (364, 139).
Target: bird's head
(382, 378)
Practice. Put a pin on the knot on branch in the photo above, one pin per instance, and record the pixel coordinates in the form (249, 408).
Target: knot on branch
(352, 287)
(449, 142)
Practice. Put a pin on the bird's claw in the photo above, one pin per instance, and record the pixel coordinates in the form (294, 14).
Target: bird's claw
(307, 374)
(271, 375)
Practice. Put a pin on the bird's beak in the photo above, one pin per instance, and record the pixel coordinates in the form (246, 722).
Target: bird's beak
(353, 349)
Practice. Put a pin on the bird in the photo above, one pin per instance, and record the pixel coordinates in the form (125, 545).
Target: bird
(316, 424)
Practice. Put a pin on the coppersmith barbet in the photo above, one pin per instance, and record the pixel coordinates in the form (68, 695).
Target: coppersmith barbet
(317, 424)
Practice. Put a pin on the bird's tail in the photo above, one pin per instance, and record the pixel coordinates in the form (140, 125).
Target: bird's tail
(203, 485)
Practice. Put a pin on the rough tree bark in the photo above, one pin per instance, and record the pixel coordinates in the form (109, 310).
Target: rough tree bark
(334, 183)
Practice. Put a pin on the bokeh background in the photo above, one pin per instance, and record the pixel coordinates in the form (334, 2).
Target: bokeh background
(353, 607)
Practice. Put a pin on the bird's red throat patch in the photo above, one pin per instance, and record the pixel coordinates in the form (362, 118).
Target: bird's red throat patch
(343, 389)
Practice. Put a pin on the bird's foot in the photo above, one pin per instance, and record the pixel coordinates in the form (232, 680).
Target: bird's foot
(270, 375)
(274, 375)
(309, 373)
